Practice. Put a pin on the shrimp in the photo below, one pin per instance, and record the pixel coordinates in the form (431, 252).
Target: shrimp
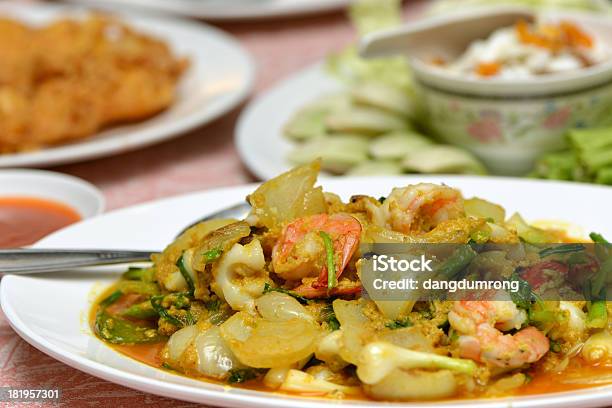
(300, 251)
(419, 208)
(480, 325)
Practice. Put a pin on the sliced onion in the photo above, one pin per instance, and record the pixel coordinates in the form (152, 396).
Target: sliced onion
(215, 359)
(275, 306)
(178, 343)
(238, 327)
(402, 385)
(354, 326)
(270, 344)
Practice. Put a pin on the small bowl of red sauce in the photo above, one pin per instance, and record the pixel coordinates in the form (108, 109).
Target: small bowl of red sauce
(35, 203)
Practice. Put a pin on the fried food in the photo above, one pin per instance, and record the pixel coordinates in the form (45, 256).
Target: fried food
(68, 80)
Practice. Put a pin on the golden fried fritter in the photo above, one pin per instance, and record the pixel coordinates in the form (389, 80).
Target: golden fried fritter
(16, 54)
(71, 78)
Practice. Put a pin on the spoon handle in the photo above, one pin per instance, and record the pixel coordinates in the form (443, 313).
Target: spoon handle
(26, 261)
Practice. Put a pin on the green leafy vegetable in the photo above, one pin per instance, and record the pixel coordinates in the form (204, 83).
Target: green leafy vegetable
(598, 238)
(163, 312)
(588, 159)
(110, 299)
(270, 288)
(597, 317)
(189, 319)
(398, 324)
(561, 249)
(559, 166)
(524, 295)
(180, 263)
(328, 316)
(241, 375)
(555, 346)
(142, 310)
(119, 331)
(213, 305)
(212, 255)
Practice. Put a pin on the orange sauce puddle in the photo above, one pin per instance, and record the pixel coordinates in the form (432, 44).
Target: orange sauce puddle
(542, 383)
(569, 379)
(25, 220)
(145, 353)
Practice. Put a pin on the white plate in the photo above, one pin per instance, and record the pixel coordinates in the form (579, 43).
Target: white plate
(80, 195)
(49, 311)
(227, 9)
(259, 133)
(220, 76)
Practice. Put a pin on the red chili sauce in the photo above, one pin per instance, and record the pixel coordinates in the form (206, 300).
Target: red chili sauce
(25, 220)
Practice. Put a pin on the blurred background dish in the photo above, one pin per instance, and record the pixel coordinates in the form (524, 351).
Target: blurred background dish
(219, 76)
(449, 6)
(388, 115)
(511, 117)
(259, 132)
(360, 116)
(67, 80)
(226, 9)
(34, 203)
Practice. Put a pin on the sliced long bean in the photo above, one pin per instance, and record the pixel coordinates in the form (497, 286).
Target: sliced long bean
(597, 317)
(458, 261)
(561, 249)
(142, 310)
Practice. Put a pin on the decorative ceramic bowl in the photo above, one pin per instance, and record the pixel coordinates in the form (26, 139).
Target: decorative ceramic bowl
(507, 123)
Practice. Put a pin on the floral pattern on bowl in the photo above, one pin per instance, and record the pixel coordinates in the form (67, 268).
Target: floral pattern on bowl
(510, 134)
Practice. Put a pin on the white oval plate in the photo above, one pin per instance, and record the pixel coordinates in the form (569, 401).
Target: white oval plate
(219, 78)
(227, 9)
(50, 311)
(259, 132)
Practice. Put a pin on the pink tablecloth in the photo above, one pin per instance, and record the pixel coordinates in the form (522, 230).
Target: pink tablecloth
(202, 159)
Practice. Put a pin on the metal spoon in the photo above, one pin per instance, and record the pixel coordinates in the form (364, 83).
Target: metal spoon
(26, 261)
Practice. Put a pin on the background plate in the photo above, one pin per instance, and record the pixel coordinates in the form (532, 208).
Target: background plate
(50, 311)
(259, 133)
(219, 78)
(227, 9)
